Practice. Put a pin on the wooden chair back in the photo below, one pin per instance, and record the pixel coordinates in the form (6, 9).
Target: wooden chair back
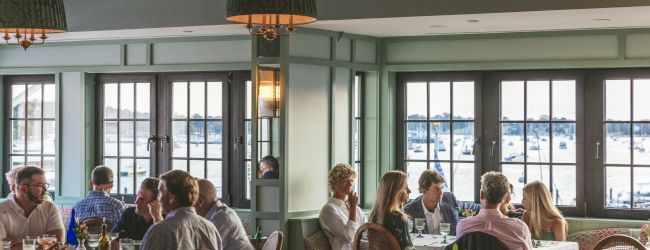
(95, 225)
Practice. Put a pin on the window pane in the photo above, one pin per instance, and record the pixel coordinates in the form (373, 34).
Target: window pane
(197, 100)
(179, 138)
(617, 147)
(49, 137)
(439, 103)
(180, 100)
(249, 175)
(249, 99)
(641, 100)
(110, 101)
(539, 173)
(214, 175)
(439, 141)
(110, 138)
(112, 163)
(444, 169)
(127, 92)
(515, 175)
(214, 139)
(215, 100)
(537, 142)
(249, 135)
(50, 172)
(34, 100)
(641, 187)
(17, 160)
(356, 140)
(463, 141)
(416, 101)
(34, 161)
(463, 181)
(197, 139)
(179, 165)
(126, 138)
(356, 95)
(463, 100)
(641, 142)
(18, 97)
(564, 185)
(143, 101)
(34, 137)
(564, 100)
(512, 142)
(512, 100)
(617, 100)
(143, 169)
(265, 129)
(416, 137)
(142, 138)
(617, 191)
(197, 169)
(538, 101)
(413, 171)
(49, 101)
(564, 143)
(18, 137)
(127, 176)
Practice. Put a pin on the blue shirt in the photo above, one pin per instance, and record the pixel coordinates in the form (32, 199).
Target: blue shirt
(99, 204)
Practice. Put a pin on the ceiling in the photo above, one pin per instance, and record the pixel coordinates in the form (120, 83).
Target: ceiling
(548, 20)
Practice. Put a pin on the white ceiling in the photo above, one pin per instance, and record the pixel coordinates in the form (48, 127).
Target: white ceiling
(581, 19)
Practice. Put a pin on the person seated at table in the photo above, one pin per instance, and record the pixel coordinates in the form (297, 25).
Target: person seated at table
(508, 209)
(224, 218)
(11, 180)
(27, 213)
(543, 218)
(182, 228)
(386, 210)
(510, 231)
(99, 203)
(135, 221)
(341, 216)
(269, 168)
(430, 204)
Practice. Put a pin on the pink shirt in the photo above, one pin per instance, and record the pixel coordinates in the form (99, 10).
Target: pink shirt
(510, 231)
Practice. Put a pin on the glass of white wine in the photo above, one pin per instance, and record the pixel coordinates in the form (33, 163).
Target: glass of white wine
(419, 225)
(93, 241)
(444, 230)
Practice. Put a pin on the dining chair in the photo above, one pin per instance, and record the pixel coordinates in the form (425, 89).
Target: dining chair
(373, 236)
(95, 225)
(274, 242)
(476, 241)
(619, 241)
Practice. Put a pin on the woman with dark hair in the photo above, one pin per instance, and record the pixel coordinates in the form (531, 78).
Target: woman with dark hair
(269, 168)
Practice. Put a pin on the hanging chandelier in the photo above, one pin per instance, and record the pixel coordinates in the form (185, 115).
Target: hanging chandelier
(24, 22)
(271, 18)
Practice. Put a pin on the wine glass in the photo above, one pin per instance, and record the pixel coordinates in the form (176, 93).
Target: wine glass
(444, 230)
(419, 225)
(409, 223)
(93, 241)
(46, 241)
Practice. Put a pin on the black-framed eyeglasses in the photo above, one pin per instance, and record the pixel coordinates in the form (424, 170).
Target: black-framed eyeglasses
(43, 186)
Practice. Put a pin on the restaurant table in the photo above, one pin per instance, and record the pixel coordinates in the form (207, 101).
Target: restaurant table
(434, 242)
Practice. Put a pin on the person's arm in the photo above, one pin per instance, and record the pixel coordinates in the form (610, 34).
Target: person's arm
(559, 230)
(59, 233)
(342, 229)
(55, 224)
(353, 200)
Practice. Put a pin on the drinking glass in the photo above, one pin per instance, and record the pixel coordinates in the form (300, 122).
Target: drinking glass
(6, 244)
(419, 225)
(136, 244)
(126, 244)
(444, 230)
(410, 225)
(93, 241)
(28, 244)
(46, 241)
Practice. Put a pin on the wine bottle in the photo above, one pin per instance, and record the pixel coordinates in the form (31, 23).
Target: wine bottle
(104, 241)
(258, 234)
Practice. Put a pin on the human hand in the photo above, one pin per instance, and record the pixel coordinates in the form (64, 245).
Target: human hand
(155, 210)
(353, 200)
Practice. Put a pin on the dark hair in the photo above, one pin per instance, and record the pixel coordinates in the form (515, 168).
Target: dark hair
(271, 161)
(102, 175)
(428, 178)
(181, 185)
(151, 184)
(26, 173)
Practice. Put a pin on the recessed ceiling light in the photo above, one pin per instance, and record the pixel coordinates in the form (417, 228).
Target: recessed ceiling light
(438, 26)
(187, 31)
(472, 21)
(602, 19)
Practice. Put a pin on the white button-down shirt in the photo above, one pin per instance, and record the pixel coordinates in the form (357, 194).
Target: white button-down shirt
(433, 218)
(335, 222)
(231, 230)
(14, 225)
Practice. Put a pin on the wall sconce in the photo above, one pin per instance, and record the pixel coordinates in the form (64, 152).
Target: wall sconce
(268, 92)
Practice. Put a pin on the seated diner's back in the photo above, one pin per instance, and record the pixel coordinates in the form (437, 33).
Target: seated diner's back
(477, 241)
(372, 236)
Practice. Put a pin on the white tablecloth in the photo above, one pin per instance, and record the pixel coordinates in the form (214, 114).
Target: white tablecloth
(433, 242)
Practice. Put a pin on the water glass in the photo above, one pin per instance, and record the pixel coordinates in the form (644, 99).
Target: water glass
(444, 230)
(419, 225)
(126, 244)
(28, 244)
(410, 225)
(136, 244)
(93, 241)
(6, 244)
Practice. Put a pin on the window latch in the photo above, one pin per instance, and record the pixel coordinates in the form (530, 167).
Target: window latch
(151, 139)
(164, 139)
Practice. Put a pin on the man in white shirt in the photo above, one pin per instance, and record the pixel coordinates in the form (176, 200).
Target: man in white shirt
(432, 205)
(27, 213)
(341, 216)
(231, 230)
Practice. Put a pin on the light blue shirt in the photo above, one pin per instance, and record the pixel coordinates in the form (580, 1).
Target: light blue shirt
(230, 228)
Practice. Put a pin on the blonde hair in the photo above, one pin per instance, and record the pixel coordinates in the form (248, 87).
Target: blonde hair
(388, 194)
(542, 210)
(339, 172)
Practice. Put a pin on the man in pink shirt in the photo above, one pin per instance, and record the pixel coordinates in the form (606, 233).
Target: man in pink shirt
(510, 231)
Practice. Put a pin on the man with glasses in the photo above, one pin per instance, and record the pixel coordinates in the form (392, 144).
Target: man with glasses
(27, 213)
(11, 179)
(99, 203)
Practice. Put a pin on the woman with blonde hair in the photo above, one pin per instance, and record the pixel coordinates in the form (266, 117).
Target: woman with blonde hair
(544, 220)
(386, 211)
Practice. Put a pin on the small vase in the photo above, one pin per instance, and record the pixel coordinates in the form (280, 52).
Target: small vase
(80, 245)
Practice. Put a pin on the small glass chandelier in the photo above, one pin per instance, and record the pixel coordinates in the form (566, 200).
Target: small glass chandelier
(27, 21)
(271, 18)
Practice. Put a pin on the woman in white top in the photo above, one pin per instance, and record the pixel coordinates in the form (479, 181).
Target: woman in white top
(341, 216)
